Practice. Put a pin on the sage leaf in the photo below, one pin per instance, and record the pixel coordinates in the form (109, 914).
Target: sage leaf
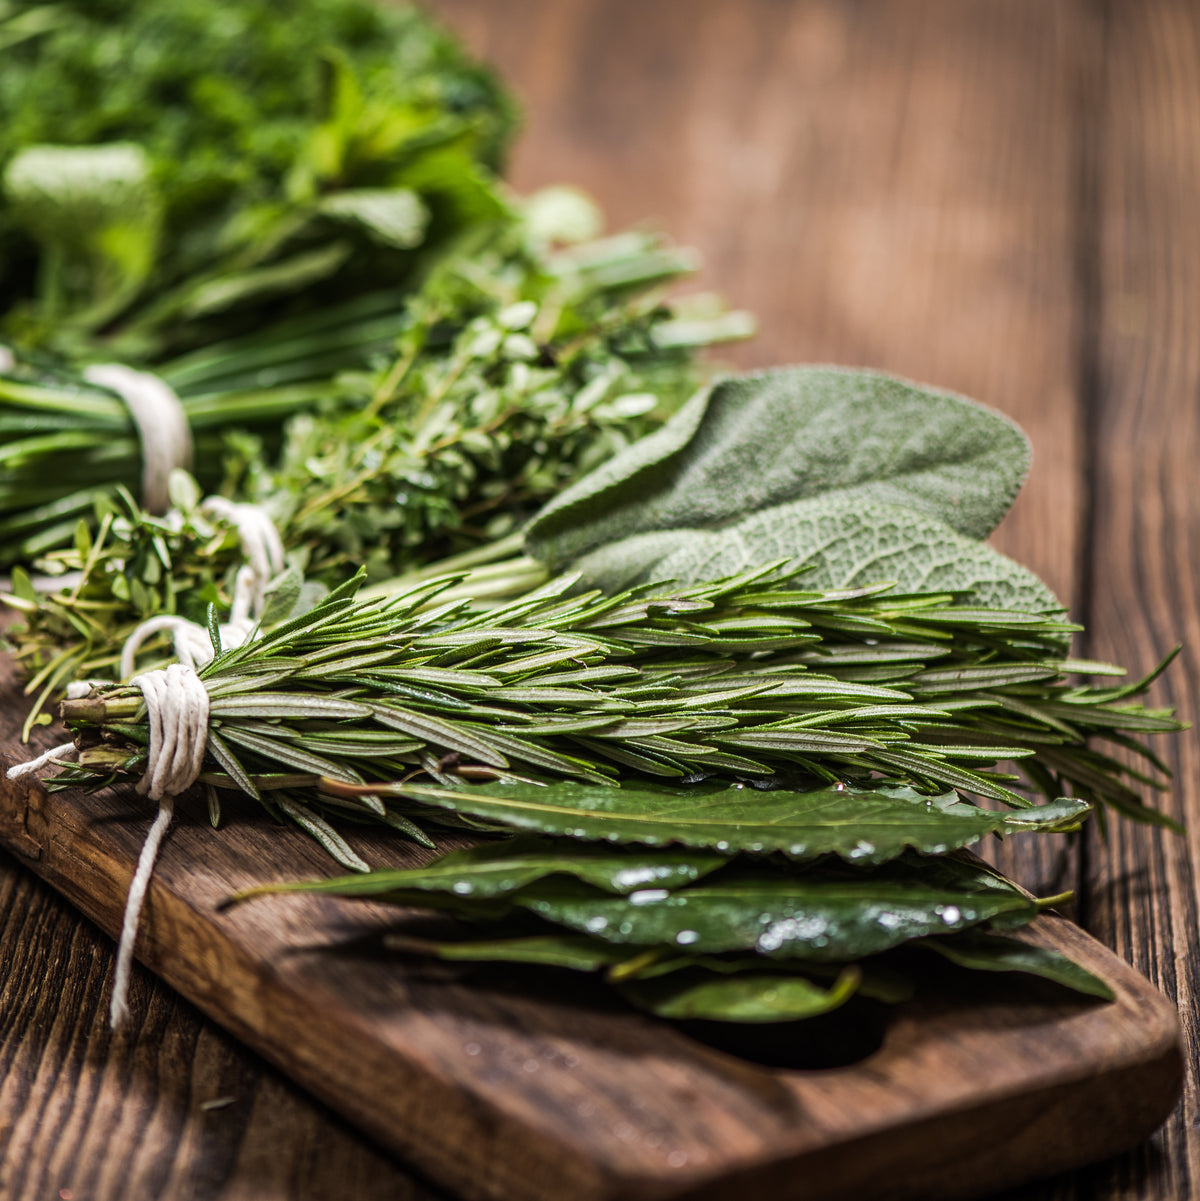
(752, 444)
(844, 541)
(97, 212)
(282, 598)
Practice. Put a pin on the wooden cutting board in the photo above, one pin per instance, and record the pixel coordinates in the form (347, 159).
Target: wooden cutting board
(520, 1084)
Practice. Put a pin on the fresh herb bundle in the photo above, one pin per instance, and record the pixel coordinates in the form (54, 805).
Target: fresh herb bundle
(268, 193)
(519, 367)
(253, 208)
(740, 795)
(623, 731)
(174, 176)
(744, 679)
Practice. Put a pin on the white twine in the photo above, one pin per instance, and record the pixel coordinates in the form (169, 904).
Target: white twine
(193, 647)
(261, 544)
(118, 1006)
(161, 425)
(56, 754)
(177, 713)
(265, 560)
(177, 705)
(177, 710)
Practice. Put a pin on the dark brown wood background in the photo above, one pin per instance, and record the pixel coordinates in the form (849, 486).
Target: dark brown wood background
(996, 196)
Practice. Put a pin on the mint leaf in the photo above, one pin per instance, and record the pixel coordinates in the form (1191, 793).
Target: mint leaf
(392, 216)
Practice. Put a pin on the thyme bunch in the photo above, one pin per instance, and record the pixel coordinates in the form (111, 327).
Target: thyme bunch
(521, 363)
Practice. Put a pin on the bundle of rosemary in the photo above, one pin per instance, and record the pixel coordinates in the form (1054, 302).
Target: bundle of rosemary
(623, 730)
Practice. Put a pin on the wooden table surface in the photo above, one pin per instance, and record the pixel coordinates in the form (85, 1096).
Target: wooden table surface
(996, 196)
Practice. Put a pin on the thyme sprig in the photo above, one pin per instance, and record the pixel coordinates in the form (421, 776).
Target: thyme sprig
(518, 367)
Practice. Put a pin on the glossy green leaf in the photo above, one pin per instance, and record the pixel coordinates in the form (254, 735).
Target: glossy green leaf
(819, 916)
(743, 997)
(995, 953)
(584, 953)
(576, 952)
(692, 987)
(860, 825)
(496, 869)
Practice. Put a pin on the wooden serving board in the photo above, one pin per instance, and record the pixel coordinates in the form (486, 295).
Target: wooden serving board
(533, 1085)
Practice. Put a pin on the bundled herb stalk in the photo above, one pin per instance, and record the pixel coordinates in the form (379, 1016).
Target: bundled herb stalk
(519, 368)
(647, 714)
(746, 679)
(336, 199)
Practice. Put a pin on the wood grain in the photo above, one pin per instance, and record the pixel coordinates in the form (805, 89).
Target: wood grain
(171, 1108)
(1142, 885)
(507, 1085)
(999, 197)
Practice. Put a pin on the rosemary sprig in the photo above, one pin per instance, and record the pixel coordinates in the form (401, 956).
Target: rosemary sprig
(749, 678)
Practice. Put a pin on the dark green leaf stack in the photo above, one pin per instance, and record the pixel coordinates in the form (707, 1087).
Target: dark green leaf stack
(738, 938)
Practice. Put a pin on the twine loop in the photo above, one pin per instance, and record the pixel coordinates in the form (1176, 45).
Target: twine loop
(263, 549)
(177, 714)
(161, 423)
